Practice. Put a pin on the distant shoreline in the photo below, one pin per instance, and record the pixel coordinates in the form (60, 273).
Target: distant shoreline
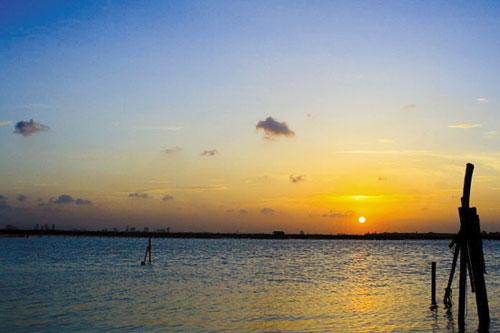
(209, 235)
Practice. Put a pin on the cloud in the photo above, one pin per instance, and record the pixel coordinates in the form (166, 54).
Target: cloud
(211, 152)
(239, 211)
(5, 123)
(491, 134)
(80, 201)
(297, 179)
(337, 215)
(465, 125)
(22, 197)
(3, 197)
(273, 128)
(388, 152)
(139, 195)
(267, 211)
(158, 128)
(172, 150)
(482, 100)
(63, 199)
(66, 199)
(30, 127)
(167, 197)
(409, 108)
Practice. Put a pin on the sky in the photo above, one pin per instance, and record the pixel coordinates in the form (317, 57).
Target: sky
(248, 116)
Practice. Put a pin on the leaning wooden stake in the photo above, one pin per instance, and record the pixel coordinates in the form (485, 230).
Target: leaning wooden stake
(148, 252)
(433, 286)
(150, 248)
(469, 244)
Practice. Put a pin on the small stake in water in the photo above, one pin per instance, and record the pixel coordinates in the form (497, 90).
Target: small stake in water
(148, 252)
(433, 287)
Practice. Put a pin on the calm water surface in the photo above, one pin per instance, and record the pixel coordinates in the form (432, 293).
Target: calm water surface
(57, 284)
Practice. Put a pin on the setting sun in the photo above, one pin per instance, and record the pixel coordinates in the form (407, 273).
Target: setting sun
(362, 219)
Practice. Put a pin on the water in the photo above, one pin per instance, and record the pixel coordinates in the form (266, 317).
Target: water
(56, 284)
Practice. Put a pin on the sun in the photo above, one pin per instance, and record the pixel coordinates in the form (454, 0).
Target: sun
(362, 219)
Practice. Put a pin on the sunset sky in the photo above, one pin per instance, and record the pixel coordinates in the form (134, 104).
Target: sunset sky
(248, 116)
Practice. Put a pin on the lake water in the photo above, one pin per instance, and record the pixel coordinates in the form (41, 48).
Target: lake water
(60, 284)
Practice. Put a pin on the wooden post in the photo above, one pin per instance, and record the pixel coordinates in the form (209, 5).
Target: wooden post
(433, 286)
(462, 242)
(478, 270)
(149, 248)
(462, 282)
(469, 244)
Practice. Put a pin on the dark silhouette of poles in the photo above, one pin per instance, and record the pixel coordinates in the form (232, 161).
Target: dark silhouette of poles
(150, 248)
(433, 286)
(469, 245)
(148, 252)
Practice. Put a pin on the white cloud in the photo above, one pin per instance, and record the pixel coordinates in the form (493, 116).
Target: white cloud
(5, 123)
(491, 134)
(482, 100)
(409, 108)
(465, 125)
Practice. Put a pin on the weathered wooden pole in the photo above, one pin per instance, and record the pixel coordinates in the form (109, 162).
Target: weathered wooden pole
(149, 248)
(462, 243)
(147, 253)
(433, 286)
(478, 270)
(471, 258)
(462, 284)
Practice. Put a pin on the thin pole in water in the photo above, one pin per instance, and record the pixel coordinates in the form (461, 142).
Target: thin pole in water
(149, 248)
(433, 286)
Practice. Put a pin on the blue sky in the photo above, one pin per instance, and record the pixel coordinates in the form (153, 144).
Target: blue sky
(118, 82)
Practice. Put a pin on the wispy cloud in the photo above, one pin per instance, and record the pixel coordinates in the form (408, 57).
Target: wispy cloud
(177, 188)
(337, 215)
(36, 106)
(491, 134)
(22, 197)
(482, 100)
(172, 150)
(409, 108)
(267, 211)
(80, 201)
(167, 197)
(465, 125)
(5, 123)
(297, 178)
(65, 199)
(211, 152)
(273, 128)
(139, 195)
(388, 152)
(29, 127)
